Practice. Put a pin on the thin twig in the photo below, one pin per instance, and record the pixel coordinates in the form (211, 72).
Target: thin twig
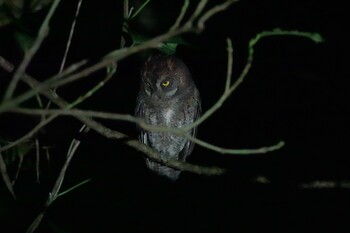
(312, 36)
(148, 127)
(246, 69)
(261, 150)
(229, 64)
(46, 121)
(27, 95)
(126, 12)
(108, 133)
(325, 184)
(35, 224)
(43, 32)
(125, 23)
(19, 166)
(5, 176)
(30, 134)
(69, 41)
(6, 65)
(56, 188)
(37, 162)
(47, 153)
(112, 57)
(181, 16)
(199, 9)
(92, 91)
(72, 188)
(71, 151)
(140, 9)
(228, 91)
(150, 152)
(211, 12)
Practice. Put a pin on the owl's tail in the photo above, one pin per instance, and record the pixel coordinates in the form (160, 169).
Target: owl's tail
(162, 170)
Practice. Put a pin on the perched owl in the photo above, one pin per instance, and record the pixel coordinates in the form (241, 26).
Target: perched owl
(167, 97)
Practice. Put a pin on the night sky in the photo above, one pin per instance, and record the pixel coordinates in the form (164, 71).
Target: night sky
(296, 91)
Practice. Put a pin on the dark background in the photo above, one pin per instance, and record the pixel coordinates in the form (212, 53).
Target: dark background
(296, 91)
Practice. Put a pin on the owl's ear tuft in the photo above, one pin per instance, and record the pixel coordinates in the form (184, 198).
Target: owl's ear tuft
(150, 58)
(171, 63)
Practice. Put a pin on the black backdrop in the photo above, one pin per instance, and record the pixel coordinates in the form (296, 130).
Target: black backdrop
(295, 91)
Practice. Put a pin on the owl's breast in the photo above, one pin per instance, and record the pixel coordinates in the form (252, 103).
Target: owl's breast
(169, 116)
(168, 144)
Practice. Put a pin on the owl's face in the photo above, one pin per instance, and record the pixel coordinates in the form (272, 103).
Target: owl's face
(164, 77)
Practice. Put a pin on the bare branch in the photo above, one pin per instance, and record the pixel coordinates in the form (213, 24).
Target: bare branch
(46, 121)
(245, 71)
(69, 41)
(119, 54)
(199, 9)
(27, 95)
(151, 153)
(213, 11)
(138, 10)
(35, 224)
(6, 65)
(181, 16)
(261, 150)
(37, 162)
(5, 176)
(312, 36)
(43, 32)
(72, 188)
(19, 166)
(30, 134)
(115, 56)
(229, 64)
(92, 91)
(58, 184)
(125, 117)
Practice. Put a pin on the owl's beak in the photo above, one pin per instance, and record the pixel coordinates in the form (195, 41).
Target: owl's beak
(153, 93)
(156, 95)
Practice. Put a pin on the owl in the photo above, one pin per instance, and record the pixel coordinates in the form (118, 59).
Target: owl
(167, 97)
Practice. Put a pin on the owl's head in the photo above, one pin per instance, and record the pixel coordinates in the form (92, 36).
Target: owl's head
(165, 76)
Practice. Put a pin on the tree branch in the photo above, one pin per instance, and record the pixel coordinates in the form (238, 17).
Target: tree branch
(108, 133)
(46, 121)
(29, 54)
(181, 15)
(5, 176)
(129, 118)
(118, 55)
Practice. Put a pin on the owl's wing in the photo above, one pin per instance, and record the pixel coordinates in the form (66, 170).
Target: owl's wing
(140, 112)
(187, 150)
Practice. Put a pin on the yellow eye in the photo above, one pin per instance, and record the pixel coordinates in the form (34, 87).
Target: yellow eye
(166, 83)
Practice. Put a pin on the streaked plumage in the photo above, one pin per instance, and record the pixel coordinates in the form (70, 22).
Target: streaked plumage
(167, 97)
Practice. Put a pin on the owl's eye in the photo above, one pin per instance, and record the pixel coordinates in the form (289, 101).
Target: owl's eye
(166, 83)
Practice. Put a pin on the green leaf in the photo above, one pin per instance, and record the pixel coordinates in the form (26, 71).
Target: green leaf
(24, 40)
(74, 187)
(137, 38)
(12, 154)
(168, 48)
